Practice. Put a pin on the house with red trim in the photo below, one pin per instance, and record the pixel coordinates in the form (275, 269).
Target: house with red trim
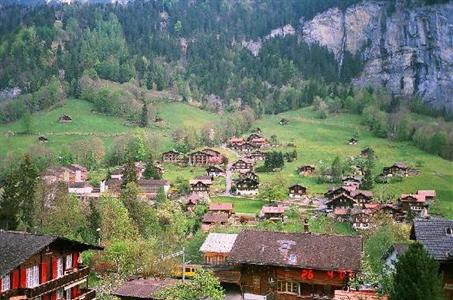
(34, 266)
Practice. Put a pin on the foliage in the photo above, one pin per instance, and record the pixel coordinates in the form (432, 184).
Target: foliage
(337, 169)
(273, 161)
(203, 285)
(417, 276)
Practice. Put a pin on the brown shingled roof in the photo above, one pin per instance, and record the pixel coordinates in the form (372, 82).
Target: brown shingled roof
(143, 288)
(303, 250)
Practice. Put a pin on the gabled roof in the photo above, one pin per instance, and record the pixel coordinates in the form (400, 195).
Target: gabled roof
(218, 243)
(172, 152)
(302, 250)
(408, 197)
(368, 194)
(143, 288)
(432, 233)
(215, 218)
(272, 210)
(16, 247)
(297, 185)
(76, 167)
(427, 193)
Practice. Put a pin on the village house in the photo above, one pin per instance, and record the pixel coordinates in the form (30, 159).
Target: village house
(257, 155)
(361, 218)
(215, 171)
(283, 266)
(342, 214)
(436, 235)
(245, 147)
(64, 119)
(352, 181)
(143, 289)
(297, 191)
(250, 175)
(413, 203)
(200, 158)
(273, 213)
(257, 140)
(216, 247)
(247, 187)
(306, 170)
(242, 165)
(226, 208)
(200, 184)
(212, 152)
(43, 139)
(366, 152)
(428, 195)
(192, 200)
(77, 173)
(53, 175)
(80, 189)
(149, 188)
(234, 142)
(353, 141)
(392, 211)
(362, 197)
(35, 266)
(172, 156)
(283, 122)
(334, 192)
(341, 201)
(118, 172)
(399, 169)
(211, 219)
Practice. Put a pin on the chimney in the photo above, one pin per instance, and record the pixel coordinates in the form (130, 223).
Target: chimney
(306, 226)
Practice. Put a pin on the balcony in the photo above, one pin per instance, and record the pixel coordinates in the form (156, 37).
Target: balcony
(86, 295)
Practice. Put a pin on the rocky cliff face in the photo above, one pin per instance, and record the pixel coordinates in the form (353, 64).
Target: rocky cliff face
(406, 48)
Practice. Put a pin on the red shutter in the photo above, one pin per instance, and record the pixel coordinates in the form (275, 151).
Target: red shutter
(75, 259)
(43, 272)
(23, 278)
(45, 297)
(0, 284)
(73, 292)
(53, 296)
(15, 284)
(54, 268)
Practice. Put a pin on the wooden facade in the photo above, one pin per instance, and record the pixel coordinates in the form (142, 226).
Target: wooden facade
(172, 156)
(247, 187)
(341, 201)
(242, 165)
(199, 158)
(306, 170)
(297, 191)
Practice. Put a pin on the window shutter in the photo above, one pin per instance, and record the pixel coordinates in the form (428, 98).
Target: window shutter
(23, 278)
(53, 296)
(1, 286)
(75, 259)
(43, 272)
(15, 284)
(54, 269)
(45, 297)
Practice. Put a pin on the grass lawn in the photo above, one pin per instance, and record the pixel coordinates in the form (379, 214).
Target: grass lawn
(240, 205)
(319, 141)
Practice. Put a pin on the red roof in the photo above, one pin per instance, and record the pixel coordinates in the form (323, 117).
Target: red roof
(272, 210)
(341, 211)
(406, 197)
(220, 206)
(427, 193)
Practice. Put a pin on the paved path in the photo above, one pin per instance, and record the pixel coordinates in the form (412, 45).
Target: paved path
(228, 179)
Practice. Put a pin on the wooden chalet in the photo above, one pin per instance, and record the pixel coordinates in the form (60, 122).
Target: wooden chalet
(306, 170)
(250, 175)
(242, 165)
(362, 197)
(192, 200)
(353, 141)
(429, 195)
(332, 193)
(399, 169)
(35, 266)
(234, 142)
(436, 235)
(273, 213)
(76, 173)
(393, 211)
(200, 184)
(143, 289)
(352, 180)
(361, 218)
(211, 219)
(257, 140)
(297, 191)
(216, 247)
(342, 214)
(288, 266)
(341, 201)
(43, 139)
(283, 122)
(212, 152)
(64, 119)
(415, 203)
(215, 171)
(257, 155)
(226, 208)
(151, 187)
(172, 156)
(80, 188)
(200, 158)
(247, 187)
(245, 147)
(366, 152)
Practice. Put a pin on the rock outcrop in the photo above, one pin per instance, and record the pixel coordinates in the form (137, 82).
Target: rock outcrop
(406, 47)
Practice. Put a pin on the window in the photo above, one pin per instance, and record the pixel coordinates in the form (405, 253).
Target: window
(68, 294)
(60, 267)
(32, 277)
(450, 231)
(6, 283)
(68, 262)
(288, 287)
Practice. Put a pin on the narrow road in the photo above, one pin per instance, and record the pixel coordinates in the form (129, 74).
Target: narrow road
(228, 179)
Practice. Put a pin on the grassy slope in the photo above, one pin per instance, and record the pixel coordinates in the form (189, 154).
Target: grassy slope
(85, 121)
(321, 140)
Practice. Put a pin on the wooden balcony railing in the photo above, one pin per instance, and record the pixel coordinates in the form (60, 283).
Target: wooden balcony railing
(86, 295)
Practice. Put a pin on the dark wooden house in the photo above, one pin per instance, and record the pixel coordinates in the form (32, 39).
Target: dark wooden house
(172, 156)
(64, 119)
(361, 218)
(257, 140)
(273, 213)
(297, 191)
(215, 171)
(43, 139)
(246, 147)
(415, 203)
(247, 187)
(200, 184)
(306, 170)
(285, 266)
(42, 267)
(226, 208)
(353, 141)
(284, 122)
(332, 193)
(200, 158)
(242, 165)
(211, 219)
(399, 169)
(257, 155)
(366, 152)
(250, 175)
(341, 201)
(362, 197)
(436, 235)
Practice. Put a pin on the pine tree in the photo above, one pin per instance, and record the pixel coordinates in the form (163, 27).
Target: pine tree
(9, 204)
(151, 171)
(129, 173)
(94, 221)
(417, 276)
(144, 122)
(161, 196)
(368, 181)
(27, 177)
(337, 169)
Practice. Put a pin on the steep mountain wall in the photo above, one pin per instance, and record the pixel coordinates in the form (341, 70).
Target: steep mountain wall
(407, 48)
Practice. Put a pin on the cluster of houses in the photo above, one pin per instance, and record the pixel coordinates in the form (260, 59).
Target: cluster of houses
(203, 157)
